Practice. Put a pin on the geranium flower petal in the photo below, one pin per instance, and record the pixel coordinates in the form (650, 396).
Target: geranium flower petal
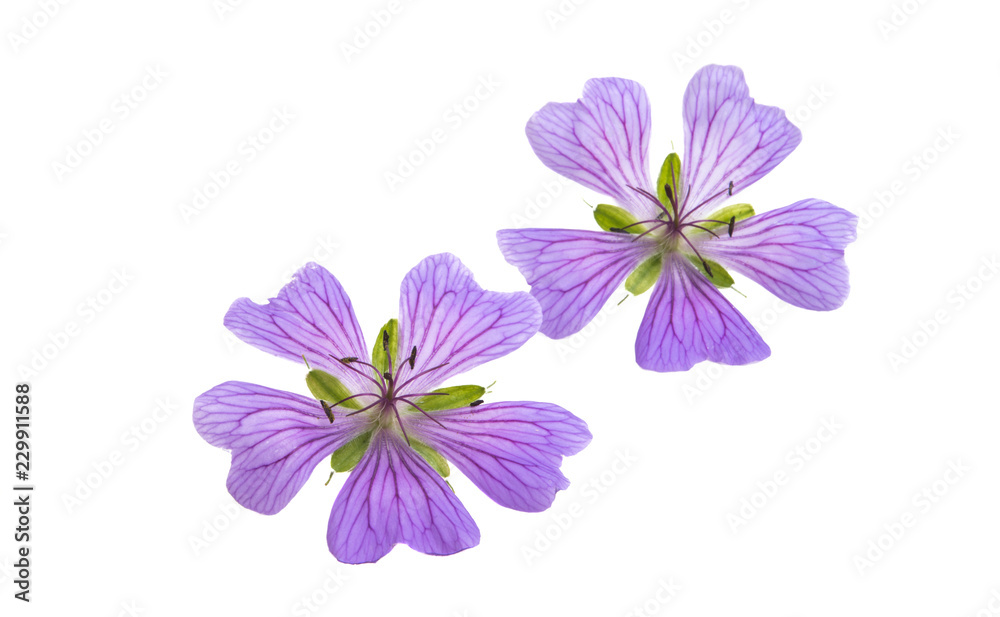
(394, 496)
(572, 273)
(795, 252)
(688, 321)
(511, 451)
(728, 137)
(449, 318)
(600, 141)
(277, 438)
(311, 316)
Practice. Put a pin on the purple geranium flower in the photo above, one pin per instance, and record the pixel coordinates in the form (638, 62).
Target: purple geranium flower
(381, 415)
(672, 235)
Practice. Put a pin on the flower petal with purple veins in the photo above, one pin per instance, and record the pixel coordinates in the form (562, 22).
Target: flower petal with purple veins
(728, 138)
(277, 438)
(450, 319)
(730, 142)
(511, 451)
(311, 316)
(395, 492)
(600, 141)
(394, 496)
(795, 252)
(687, 321)
(572, 273)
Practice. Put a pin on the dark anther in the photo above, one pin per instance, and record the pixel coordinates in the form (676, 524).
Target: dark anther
(327, 410)
(732, 224)
(669, 191)
(413, 353)
(385, 341)
(708, 268)
(617, 230)
(348, 360)
(730, 188)
(387, 375)
(476, 403)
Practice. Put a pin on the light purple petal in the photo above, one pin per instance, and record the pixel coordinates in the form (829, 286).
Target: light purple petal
(449, 318)
(394, 496)
(600, 141)
(795, 252)
(511, 451)
(728, 137)
(277, 438)
(688, 321)
(311, 316)
(572, 273)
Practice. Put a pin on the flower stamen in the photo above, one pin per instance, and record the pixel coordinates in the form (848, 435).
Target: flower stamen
(418, 408)
(385, 348)
(656, 221)
(351, 360)
(354, 413)
(730, 225)
(328, 409)
(648, 231)
(421, 374)
(728, 189)
(708, 268)
(652, 198)
(702, 228)
(401, 427)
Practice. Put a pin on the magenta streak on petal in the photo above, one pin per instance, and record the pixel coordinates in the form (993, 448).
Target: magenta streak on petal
(511, 451)
(600, 141)
(572, 273)
(311, 316)
(394, 496)
(688, 321)
(795, 252)
(277, 438)
(729, 138)
(451, 319)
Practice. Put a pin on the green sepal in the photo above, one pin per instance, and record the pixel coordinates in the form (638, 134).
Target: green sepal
(613, 218)
(719, 277)
(380, 359)
(432, 457)
(326, 387)
(643, 277)
(455, 397)
(346, 457)
(722, 217)
(670, 176)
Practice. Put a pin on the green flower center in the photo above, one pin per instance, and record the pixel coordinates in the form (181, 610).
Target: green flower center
(673, 230)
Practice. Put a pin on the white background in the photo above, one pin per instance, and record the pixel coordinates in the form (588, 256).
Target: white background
(662, 534)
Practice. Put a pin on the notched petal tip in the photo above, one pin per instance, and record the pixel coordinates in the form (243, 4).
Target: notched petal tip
(599, 141)
(392, 497)
(456, 324)
(310, 319)
(276, 439)
(729, 137)
(688, 321)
